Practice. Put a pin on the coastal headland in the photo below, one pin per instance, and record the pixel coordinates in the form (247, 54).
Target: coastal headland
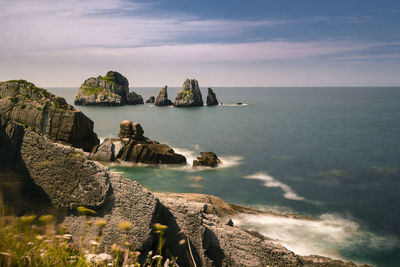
(47, 148)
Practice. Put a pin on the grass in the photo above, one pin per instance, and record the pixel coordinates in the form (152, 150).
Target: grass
(91, 90)
(39, 241)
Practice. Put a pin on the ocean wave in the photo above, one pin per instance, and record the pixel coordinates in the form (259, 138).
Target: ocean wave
(270, 181)
(326, 236)
(190, 155)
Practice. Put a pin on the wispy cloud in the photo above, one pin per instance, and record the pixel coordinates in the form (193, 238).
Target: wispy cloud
(45, 24)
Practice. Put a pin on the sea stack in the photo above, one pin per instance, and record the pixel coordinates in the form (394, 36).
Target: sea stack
(151, 100)
(110, 90)
(190, 95)
(162, 98)
(211, 98)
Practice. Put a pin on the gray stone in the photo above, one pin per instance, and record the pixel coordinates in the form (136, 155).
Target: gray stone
(162, 98)
(209, 159)
(65, 174)
(107, 151)
(151, 100)
(189, 95)
(211, 98)
(126, 130)
(137, 131)
(43, 112)
(134, 99)
(110, 90)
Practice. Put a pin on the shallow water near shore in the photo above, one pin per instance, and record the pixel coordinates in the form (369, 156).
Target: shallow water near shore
(331, 153)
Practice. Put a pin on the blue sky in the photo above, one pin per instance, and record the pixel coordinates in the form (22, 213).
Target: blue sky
(220, 43)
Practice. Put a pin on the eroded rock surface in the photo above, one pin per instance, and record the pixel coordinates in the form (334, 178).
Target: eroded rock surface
(211, 98)
(208, 159)
(162, 98)
(133, 146)
(110, 90)
(189, 95)
(151, 100)
(45, 113)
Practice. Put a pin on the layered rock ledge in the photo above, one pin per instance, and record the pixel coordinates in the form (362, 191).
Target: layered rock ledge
(45, 113)
(110, 90)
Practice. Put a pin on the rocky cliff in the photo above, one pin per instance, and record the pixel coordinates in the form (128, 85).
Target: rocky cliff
(189, 95)
(110, 90)
(162, 98)
(61, 177)
(45, 113)
(69, 179)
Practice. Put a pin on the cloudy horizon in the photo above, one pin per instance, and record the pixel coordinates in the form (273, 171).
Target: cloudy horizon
(235, 43)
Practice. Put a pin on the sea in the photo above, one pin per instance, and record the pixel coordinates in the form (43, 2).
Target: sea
(330, 153)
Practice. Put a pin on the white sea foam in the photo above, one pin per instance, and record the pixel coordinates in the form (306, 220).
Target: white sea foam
(325, 236)
(233, 105)
(270, 181)
(190, 155)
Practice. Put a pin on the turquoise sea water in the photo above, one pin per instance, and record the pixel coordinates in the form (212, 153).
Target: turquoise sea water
(331, 153)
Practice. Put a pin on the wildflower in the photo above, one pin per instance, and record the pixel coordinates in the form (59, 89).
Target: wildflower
(39, 237)
(116, 248)
(182, 242)
(46, 218)
(157, 257)
(27, 218)
(93, 243)
(85, 211)
(159, 227)
(67, 237)
(124, 226)
(100, 223)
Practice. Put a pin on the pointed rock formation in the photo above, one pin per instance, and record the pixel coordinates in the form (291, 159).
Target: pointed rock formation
(111, 90)
(162, 98)
(189, 95)
(151, 100)
(45, 113)
(211, 98)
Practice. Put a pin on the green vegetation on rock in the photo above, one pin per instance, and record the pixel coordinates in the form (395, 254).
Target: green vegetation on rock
(89, 90)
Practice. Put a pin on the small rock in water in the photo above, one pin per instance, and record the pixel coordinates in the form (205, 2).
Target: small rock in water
(151, 100)
(207, 159)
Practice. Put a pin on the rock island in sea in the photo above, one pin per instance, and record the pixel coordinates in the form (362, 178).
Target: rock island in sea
(55, 174)
(110, 90)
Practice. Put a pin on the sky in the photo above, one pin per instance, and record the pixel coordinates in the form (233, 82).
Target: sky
(60, 43)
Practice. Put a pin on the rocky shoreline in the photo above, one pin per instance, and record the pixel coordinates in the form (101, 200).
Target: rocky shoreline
(59, 176)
